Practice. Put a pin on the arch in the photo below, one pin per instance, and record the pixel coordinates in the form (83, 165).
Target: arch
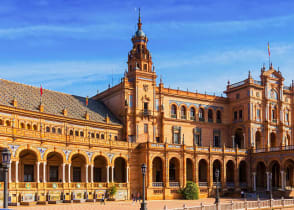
(174, 170)
(47, 129)
(230, 172)
(157, 170)
(120, 166)
(288, 166)
(218, 116)
(60, 152)
(201, 114)
(203, 170)
(54, 162)
(79, 153)
(22, 125)
(189, 169)
(173, 111)
(243, 172)
(100, 164)
(27, 166)
(7, 123)
(239, 138)
(258, 143)
(99, 154)
(78, 169)
(210, 115)
(273, 141)
(260, 175)
(192, 113)
(27, 147)
(29, 126)
(183, 112)
(275, 170)
(35, 127)
(217, 165)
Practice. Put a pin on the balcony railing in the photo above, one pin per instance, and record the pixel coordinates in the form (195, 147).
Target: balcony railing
(157, 184)
(243, 184)
(201, 119)
(203, 184)
(183, 117)
(192, 118)
(146, 112)
(174, 184)
(274, 149)
(230, 185)
(173, 116)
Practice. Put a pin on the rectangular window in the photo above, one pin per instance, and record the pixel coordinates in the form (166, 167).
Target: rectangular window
(216, 138)
(53, 174)
(157, 139)
(235, 115)
(197, 136)
(176, 138)
(28, 173)
(145, 128)
(98, 175)
(131, 100)
(240, 114)
(157, 104)
(76, 175)
(145, 67)
(258, 114)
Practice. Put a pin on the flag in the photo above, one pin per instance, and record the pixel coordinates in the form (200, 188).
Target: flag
(87, 101)
(268, 48)
(41, 91)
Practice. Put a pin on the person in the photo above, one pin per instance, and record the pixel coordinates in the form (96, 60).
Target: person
(102, 199)
(133, 198)
(242, 194)
(138, 197)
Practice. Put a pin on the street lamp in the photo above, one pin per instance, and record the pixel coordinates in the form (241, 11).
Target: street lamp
(217, 193)
(143, 204)
(6, 155)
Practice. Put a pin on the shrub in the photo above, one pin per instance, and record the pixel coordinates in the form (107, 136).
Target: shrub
(191, 191)
(112, 191)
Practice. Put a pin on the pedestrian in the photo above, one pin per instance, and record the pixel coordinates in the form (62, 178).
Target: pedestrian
(133, 198)
(242, 194)
(138, 197)
(102, 199)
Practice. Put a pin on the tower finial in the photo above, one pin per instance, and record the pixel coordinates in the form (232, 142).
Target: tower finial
(139, 20)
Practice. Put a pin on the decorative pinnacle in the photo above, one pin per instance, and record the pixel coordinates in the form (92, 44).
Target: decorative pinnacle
(139, 20)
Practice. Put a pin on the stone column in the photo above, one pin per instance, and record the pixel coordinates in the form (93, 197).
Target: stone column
(9, 173)
(63, 172)
(254, 181)
(69, 165)
(112, 174)
(92, 173)
(107, 174)
(87, 171)
(16, 171)
(44, 172)
(267, 181)
(127, 175)
(282, 180)
(38, 172)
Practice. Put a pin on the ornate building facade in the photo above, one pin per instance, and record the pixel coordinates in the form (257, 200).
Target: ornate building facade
(67, 148)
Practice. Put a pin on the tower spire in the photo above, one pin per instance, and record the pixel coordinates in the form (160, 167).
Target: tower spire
(139, 20)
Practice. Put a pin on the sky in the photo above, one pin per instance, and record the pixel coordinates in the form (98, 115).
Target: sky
(81, 46)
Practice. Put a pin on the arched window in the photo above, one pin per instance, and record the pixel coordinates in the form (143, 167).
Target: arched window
(82, 133)
(47, 129)
(35, 127)
(218, 116)
(29, 126)
(274, 114)
(22, 125)
(210, 115)
(173, 111)
(1, 122)
(59, 131)
(77, 133)
(183, 112)
(53, 130)
(7, 123)
(71, 132)
(97, 136)
(92, 135)
(201, 114)
(102, 136)
(192, 113)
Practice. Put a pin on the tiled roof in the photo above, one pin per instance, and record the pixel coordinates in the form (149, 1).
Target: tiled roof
(28, 98)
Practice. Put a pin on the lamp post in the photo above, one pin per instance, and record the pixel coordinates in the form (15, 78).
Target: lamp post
(6, 155)
(217, 193)
(143, 204)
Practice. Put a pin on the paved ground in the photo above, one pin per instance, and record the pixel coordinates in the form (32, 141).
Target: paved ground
(122, 205)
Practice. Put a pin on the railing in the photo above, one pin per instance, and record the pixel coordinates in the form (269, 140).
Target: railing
(237, 84)
(203, 184)
(230, 184)
(27, 185)
(257, 204)
(99, 184)
(243, 185)
(274, 149)
(78, 185)
(192, 118)
(54, 185)
(121, 185)
(183, 117)
(146, 112)
(157, 184)
(174, 184)
(201, 119)
(173, 116)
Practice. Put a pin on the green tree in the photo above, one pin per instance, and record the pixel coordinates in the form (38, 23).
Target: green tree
(191, 191)
(112, 191)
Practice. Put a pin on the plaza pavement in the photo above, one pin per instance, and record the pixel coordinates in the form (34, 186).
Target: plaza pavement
(123, 205)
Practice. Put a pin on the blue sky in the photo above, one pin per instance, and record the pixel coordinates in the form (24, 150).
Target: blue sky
(81, 46)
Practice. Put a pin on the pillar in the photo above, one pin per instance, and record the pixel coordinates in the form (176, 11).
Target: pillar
(254, 181)
(87, 173)
(44, 172)
(63, 172)
(107, 174)
(16, 171)
(69, 165)
(282, 180)
(267, 181)
(127, 175)
(92, 173)
(9, 173)
(112, 174)
(38, 172)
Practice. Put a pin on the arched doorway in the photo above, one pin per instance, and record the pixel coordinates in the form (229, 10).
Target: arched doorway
(78, 168)
(273, 140)
(258, 143)
(157, 172)
(239, 138)
(100, 169)
(275, 171)
(189, 169)
(174, 171)
(243, 174)
(289, 170)
(261, 176)
(28, 166)
(202, 172)
(54, 167)
(216, 165)
(120, 170)
(230, 169)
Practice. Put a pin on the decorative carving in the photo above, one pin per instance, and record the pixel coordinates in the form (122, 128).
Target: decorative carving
(110, 155)
(42, 151)
(13, 148)
(66, 152)
(90, 154)
(145, 87)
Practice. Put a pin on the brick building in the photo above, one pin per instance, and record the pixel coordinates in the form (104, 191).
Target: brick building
(67, 147)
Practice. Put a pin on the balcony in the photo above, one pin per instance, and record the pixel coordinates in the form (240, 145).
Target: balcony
(203, 184)
(274, 149)
(157, 184)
